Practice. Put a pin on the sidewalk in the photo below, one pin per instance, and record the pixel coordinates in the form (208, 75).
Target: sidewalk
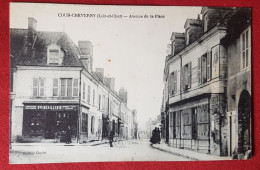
(61, 144)
(94, 143)
(188, 153)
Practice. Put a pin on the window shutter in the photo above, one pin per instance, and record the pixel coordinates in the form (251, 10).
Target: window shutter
(75, 87)
(55, 87)
(204, 68)
(189, 75)
(209, 65)
(182, 80)
(35, 87)
(175, 81)
(199, 70)
(42, 86)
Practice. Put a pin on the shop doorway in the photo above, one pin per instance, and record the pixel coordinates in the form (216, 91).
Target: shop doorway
(244, 122)
(50, 125)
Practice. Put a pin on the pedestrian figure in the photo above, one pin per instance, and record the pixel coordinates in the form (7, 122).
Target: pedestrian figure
(111, 138)
(158, 135)
(68, 135)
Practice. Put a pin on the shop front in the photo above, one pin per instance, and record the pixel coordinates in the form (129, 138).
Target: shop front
(50, 121)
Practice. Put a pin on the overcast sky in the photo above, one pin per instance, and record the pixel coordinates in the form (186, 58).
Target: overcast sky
(136, 47)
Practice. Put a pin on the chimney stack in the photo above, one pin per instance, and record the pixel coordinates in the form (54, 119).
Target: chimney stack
(86, 56)
(100, 73)
(193, 30)
(32, 30)
(178, 42)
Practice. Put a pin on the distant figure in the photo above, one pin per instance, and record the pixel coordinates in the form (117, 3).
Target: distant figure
(68, 135)
(111, 138)
(155, 136)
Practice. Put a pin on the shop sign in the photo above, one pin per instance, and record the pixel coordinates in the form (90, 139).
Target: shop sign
(50, 107)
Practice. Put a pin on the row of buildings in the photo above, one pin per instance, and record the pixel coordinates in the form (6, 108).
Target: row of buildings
(54, 89)
(207, 84)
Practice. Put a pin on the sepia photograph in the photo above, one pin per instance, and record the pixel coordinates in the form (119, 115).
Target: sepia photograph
(111, 83)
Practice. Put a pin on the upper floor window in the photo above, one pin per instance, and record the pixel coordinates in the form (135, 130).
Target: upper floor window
(68, 87)
(173, 82)
(84, 91)
(38, 87)
(94, 94)
(99, 102)
(54, 54)
(204, 73)
(245, 48)
(186, 72)
(89, 89)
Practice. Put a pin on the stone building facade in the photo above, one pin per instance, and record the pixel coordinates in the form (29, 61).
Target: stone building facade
(198, 81)
(54, 88)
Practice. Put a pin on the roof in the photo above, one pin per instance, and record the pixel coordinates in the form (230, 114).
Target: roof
(19, 48)
(189, 21)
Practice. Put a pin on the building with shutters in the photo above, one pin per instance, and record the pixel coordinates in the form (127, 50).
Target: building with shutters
(196, 77)
(54, 88)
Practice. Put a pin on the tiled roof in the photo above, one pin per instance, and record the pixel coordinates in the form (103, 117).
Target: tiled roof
(19, 48)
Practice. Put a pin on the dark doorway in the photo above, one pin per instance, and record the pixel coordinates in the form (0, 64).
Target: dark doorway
(50, 125)
(244, 122)
(167, 128)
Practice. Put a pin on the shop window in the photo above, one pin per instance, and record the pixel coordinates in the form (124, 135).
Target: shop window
(245, 39)
(66, 87)
(84, 123)
(38, 87)
(92, 124)
(204, 73)
(203, 122)
(186, 128)
(186, 72)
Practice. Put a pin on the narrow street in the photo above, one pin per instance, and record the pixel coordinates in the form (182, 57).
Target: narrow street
(133, 150)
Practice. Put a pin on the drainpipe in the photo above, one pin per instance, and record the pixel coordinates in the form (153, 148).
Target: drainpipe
(180, 98)
(79, 109)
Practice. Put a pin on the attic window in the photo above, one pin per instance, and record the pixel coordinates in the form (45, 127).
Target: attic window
(54, 55)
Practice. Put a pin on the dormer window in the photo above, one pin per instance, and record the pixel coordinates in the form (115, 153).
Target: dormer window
(187, 37)
(55, 55)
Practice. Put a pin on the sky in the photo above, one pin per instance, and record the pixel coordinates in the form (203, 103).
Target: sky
(132, 50)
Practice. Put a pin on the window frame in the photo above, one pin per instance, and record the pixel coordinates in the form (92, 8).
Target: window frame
(39, 87)
(245, 62)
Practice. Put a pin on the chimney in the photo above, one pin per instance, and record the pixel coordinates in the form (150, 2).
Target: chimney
(32, 30)
(123, 94)
(86, 56)
(31, 36)
(193, 30)
(178, 42)
(100, 73)
(211, 16)
(111, 83)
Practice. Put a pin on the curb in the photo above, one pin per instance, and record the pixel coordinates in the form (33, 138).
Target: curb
(176, 153)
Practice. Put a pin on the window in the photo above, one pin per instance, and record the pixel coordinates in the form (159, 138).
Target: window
(84, 91)
(66, 87)
(89, 88)
(204, 73)
(186, 76)
(104, 102)
(99, 102)
(203, 122)
(92, 124)
(38, 87)
(55, 87)
(173, 82)
(245, 48)
(84, 123)
(94, 97)
(54, 56)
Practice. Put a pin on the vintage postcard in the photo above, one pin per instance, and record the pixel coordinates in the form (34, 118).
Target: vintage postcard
(100, 83)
